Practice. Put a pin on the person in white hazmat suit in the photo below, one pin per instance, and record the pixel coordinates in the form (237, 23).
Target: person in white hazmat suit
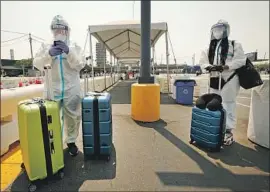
(65, 77)
(228, 57)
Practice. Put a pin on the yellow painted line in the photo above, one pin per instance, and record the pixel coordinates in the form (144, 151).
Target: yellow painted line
(10, 167)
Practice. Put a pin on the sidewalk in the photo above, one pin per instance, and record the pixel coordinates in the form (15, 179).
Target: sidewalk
(158, 157)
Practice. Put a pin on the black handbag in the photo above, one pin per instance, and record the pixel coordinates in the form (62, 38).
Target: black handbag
(249, 77)
(214, 82)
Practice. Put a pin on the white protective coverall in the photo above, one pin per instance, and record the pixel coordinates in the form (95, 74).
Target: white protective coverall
(235, 59)
(65, 80)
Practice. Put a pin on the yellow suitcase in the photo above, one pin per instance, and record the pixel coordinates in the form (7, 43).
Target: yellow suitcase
(40, 139)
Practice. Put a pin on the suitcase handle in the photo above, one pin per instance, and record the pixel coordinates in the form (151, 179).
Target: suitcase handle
(34, 101)
(48, 77)
(219, 82)
(85, 76)
(52, 149)
(103, 111)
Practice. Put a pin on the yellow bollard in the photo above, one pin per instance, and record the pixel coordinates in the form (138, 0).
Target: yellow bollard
(145, 102)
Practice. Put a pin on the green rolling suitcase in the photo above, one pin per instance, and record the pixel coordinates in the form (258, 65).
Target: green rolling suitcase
(40, 139)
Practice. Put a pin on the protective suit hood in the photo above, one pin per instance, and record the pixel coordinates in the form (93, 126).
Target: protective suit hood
(220, 30)
(60, 29)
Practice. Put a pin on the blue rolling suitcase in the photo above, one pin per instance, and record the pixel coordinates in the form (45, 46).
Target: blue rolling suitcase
(208, 127)
(97, 125)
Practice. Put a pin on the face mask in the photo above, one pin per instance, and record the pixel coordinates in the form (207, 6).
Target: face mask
(218, 34)
(60, 37)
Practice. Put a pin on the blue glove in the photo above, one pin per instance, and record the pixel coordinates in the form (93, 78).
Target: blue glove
(54, 51)
(62, 46)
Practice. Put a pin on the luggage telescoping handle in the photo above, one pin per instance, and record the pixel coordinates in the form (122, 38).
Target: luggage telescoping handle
(48, 77)
(85, 77)
(219, 81)
(208, 83)
(85, 81)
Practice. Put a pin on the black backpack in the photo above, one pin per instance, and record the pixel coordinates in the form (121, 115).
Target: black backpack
(249, 77)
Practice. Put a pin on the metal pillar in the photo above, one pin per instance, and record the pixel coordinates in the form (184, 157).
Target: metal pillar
(145, 76)
(117, 67)
(31, 49)
(111, 61)
(167, 59)
(91, 58)
(153, 59)
(104, 68)
(111, 66)
(114, 71)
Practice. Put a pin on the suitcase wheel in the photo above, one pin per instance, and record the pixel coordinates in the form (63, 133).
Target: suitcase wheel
(22, 166)
(32, 187)
(61, 174)
(191, 141)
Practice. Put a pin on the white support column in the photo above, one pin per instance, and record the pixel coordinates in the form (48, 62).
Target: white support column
(91, 58)
(153, 60)
(167, 59)
(111, 65)
(114, 71)
(117, 69)
(104, 69)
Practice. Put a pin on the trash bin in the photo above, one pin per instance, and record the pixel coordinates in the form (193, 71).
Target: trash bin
(184, 91)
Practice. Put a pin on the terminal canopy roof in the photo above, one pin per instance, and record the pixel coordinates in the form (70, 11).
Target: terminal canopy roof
(123, 38)
(131, 62)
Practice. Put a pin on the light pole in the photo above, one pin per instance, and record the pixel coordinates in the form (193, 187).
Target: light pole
(145, 77)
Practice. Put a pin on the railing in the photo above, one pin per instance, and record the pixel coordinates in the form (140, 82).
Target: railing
(11, 97)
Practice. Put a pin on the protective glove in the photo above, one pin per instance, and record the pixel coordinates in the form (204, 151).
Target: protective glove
(62, 46)
(217, 68)
(209, 68)
(54, 51)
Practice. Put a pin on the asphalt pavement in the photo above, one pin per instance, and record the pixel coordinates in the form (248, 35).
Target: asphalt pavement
(158, 157)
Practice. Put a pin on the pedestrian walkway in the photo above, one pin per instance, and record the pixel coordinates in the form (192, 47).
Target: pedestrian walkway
(121, 94)
(158, 157)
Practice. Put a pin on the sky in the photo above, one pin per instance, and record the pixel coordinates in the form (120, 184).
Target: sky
(189, 23)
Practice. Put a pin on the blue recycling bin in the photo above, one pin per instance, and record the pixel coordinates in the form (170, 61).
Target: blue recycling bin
(184, 91)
